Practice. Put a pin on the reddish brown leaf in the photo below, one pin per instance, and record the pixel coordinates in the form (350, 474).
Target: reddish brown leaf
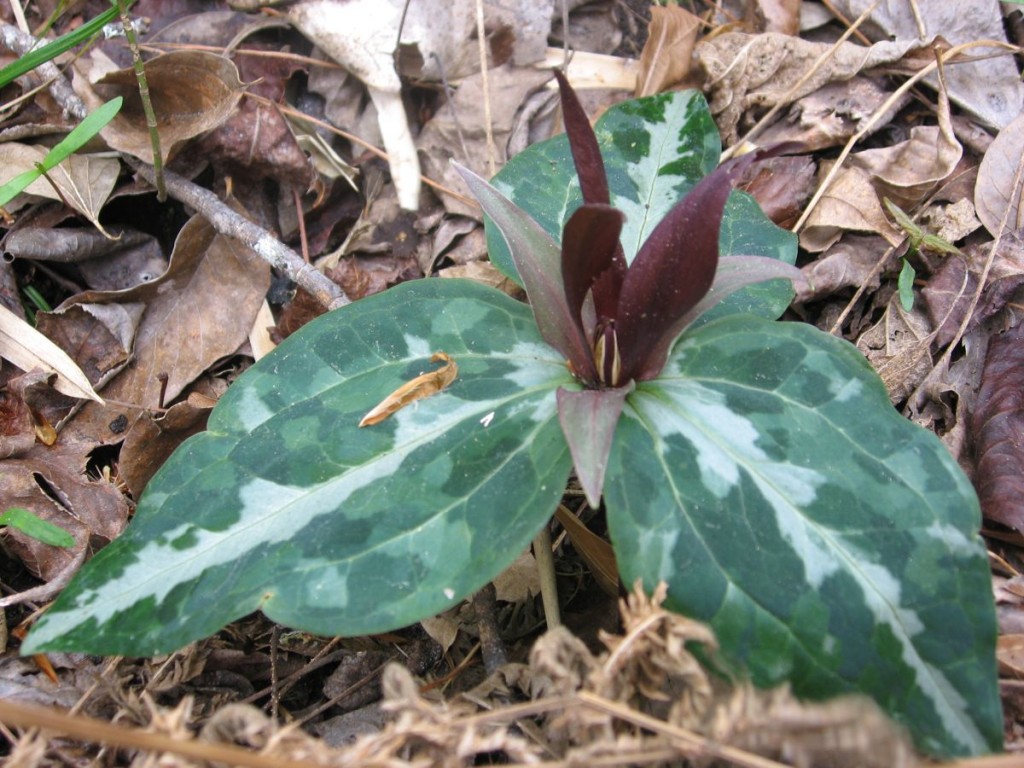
(997, 427)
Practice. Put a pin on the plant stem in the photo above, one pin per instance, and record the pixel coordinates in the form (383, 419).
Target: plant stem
(546, 569)
(147, 103)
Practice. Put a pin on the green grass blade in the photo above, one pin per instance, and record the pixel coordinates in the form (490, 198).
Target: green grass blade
(82, 133)
(52, 50)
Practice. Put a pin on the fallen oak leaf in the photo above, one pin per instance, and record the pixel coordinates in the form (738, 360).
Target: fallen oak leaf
(424, 385)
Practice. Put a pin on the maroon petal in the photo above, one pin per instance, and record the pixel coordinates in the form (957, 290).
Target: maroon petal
(585, 152)
(589, 244)
(673, 270)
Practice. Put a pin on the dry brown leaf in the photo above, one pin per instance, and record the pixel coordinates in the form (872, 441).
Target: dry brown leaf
(850, 204)
(458, 132)
(486, 273)
(995, 195)
(996, 426)
(1010, 654)
(665, 59)
(988, 82)
(29, 350)
(899, 348)
(192, 92)
(424, 385)
(153, 438)
(852, 262)
(782, 16)
(50, 483)
(595, 551)
(747, 74)
(908, 171)
(833, 113)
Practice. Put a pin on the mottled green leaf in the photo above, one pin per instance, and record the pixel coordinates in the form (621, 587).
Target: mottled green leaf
(287, 506)
(830, 542)
(655, 150)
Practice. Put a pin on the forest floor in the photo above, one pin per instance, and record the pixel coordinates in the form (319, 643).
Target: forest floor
(910, 104)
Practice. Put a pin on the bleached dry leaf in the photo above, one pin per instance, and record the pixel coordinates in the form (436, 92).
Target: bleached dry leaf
(988, 83)
(360, 35)
(28, 349)
(424, 385)
(665, 59)
(995, 192)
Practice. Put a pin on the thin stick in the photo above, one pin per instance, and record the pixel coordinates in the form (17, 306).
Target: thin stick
(262, 242)
(485, 81)
(16, 41)
(100, 732)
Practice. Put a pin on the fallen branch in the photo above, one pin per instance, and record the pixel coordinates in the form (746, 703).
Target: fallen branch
(263, 243)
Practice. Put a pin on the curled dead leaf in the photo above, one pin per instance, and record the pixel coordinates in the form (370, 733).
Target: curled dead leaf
(422, 386)
(995, 195)
(192, 92)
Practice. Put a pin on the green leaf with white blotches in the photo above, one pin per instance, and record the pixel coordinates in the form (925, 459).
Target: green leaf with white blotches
(285, 505)
(655, 150)
(829, 542)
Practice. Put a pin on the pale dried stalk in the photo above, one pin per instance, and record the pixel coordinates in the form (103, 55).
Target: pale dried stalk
(485, 82)
(91, 730)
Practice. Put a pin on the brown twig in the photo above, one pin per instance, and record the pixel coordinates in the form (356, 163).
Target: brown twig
(16, 41)
(262, 242)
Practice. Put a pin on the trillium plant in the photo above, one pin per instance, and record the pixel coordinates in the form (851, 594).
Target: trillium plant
(347, 484)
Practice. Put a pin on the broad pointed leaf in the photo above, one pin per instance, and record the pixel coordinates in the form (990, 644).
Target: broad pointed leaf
(830, 542)
(287, 506)
(736, 272)
(588, 418)
(539, 260)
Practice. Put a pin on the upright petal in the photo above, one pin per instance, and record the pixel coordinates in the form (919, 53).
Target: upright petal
(585, 152)
(673, 270)
(538, 260)
(589, 243)
(586, 155)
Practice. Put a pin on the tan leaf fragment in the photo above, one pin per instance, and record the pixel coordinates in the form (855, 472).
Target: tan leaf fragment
(850, 204)
(424, 385)
(898, 346)
(84, 182)
(665, 59)
(28, 349)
